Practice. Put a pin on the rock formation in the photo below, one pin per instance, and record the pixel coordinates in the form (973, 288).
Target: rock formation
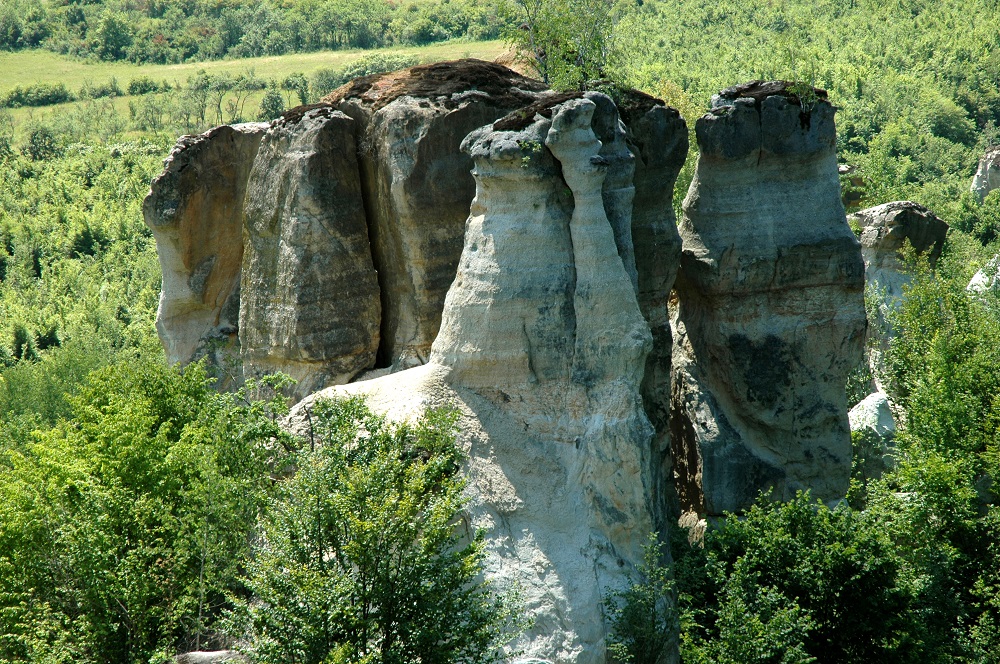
(542, 349)
(351, 234)
(987, 177)
(310, 305)
(658, 137)
(887, 230)
(872, 419)
(771, 313)
(195, 210)
(418, 184)
(987, 278)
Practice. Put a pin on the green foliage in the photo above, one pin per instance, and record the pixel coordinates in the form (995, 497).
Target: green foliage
(327, 80)
(643, 617)
(272, 105)
(122, 529)
(569, 42)
(38, 94)
(161, 32)
(792, 582)
(360, 559)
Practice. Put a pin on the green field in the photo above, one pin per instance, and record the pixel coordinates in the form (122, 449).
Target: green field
(39, 66)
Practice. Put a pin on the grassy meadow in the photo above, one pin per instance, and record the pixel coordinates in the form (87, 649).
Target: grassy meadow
(27, 67)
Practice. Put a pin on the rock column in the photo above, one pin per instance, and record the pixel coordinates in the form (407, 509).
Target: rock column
(771, 316)
(310, 305)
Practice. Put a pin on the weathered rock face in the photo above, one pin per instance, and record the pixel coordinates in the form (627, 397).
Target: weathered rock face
(886, 230)
(987, 177)
(658, 137)
(771, 316)
(542, 350)
(195, 210)
(872, 419)
(310, 298)
(986, 279)
(417, 183)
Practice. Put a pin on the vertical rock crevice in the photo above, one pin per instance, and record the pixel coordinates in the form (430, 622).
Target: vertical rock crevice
(417, 184)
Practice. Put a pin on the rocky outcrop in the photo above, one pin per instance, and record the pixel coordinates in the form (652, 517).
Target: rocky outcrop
(310, 305)
(874, 429)
(887, 230)
(771, 314)
(195, 210)
(542, 349)
(890, 228)
(987, 278)
(418, 184)
(987, 177)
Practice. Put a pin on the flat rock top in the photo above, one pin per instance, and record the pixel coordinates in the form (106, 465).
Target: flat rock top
(760, 90)
(441, 79)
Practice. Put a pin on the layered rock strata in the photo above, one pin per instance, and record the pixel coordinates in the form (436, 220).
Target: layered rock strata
(310, 306)
(887, 231)
(542, 349)
(771, 313)
(987, 177)
(195, 210)
(417, 183)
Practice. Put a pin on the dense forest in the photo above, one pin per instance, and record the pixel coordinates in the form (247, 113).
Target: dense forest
(124, 480)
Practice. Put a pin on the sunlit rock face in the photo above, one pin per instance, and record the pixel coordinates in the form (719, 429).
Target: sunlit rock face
(310, 300)
(542, 349)
(888, 231)
(195, 210)
(987, 177)
(771, 313)
(418, 185)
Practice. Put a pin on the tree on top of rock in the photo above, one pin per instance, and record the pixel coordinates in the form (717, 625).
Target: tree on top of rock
(569, 42)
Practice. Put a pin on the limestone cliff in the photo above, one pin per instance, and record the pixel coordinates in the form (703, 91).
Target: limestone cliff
(771, 314)
(417, 183)
(542, 349)
(310, 305)
(195, 210)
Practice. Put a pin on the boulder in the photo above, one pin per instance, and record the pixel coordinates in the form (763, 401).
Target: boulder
(771, 315)
(986, 279)
(886, 231)
(195, 210)
(310, 297)
(417, 183)
(542, 349)
(987, 177)
(874, 426)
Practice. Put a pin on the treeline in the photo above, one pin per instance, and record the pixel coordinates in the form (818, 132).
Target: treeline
(917, 82)
(160, 31)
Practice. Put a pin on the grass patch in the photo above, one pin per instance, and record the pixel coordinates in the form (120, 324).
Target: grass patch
(40, 66)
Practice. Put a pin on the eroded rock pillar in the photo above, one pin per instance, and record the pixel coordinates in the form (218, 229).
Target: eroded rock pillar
(771, 313)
